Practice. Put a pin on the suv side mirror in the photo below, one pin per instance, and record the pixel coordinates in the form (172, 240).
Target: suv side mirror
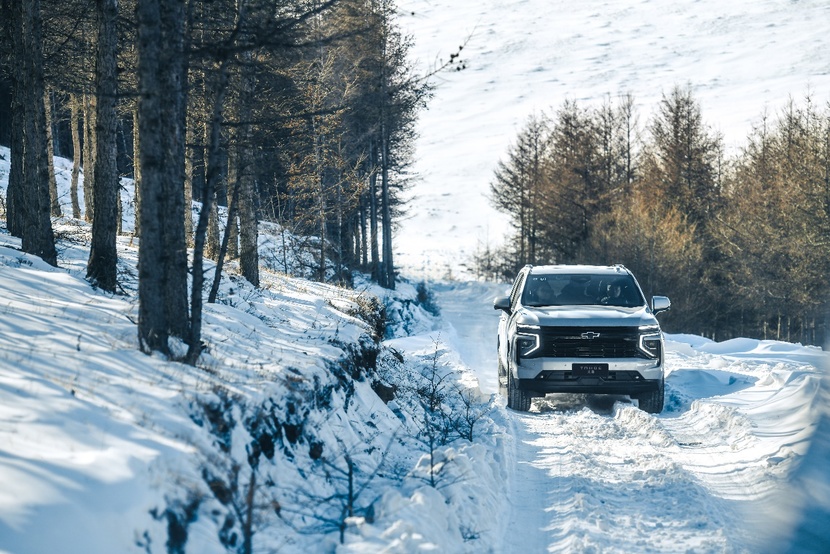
(660, 304)
(502, 303)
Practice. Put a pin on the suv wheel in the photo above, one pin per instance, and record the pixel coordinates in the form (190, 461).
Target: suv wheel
(502, 378)
(652, 402)
(517, 399)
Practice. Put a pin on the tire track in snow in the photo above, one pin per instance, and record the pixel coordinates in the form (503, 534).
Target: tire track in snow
(611, 484)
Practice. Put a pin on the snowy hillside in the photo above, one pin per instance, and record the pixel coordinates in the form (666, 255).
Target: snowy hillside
(524, 56)
(104, 449)
(301, 393)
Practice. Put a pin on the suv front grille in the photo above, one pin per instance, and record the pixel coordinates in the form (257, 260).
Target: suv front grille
(593, 342)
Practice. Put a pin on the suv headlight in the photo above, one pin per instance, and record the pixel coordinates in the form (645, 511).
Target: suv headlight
(527, 340)
(651, 342)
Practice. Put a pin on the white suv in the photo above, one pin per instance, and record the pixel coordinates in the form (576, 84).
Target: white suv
(581, 329)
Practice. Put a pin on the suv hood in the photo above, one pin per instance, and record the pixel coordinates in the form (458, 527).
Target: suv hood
(586, 316)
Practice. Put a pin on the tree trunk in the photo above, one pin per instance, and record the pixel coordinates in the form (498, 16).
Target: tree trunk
(190, 165)
(233, 201)
(194, 161)
(174, 77)
(76, 156)
(364, 240)
(212, 235)
(160, 47)
(136, 172)
(103, 256)
(214, 174)
(152, 315)
(248, 221)
(211, 244)
(194, 168)
(322, 208)
(54, 204)
(373, 218)
(231, 235)
(15, 205)
(38, 238)
(388, 271)
(89, 157)
(248, 231)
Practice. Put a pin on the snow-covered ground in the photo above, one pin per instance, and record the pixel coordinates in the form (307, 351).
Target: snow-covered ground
(524, 56)
(104, 449)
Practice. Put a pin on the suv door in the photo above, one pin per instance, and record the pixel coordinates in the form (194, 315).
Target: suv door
(506, 316)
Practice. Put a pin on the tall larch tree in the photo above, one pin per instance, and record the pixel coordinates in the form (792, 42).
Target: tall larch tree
(103, 256)
(161, 27)
(37, 237)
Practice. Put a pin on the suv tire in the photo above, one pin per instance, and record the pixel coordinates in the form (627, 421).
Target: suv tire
(517, 399)
(502, 379)
(652, 402)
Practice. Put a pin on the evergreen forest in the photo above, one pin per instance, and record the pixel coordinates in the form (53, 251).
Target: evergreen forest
(299, 113)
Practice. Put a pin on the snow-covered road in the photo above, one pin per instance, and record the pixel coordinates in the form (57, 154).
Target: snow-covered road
(594, 473)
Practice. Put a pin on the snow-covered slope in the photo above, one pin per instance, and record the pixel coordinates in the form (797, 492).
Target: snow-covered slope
(104, 449)
(95, 436)
(523, 56)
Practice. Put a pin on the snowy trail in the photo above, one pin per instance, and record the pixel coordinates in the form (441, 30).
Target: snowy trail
(594, 473)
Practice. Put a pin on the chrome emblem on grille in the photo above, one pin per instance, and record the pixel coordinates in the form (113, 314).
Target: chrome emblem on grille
(589, 335)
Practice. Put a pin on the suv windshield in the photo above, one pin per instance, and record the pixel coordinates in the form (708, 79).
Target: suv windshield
(581, 290)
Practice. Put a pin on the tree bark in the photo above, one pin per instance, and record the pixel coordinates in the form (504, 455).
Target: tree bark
(211, 238)
(103, 257)
(214, 174)
(89, 157)
(37, 233)
(54, 204)
(193, 160)
(15, 204)
(388, 268)
(152, 314)
(373, 218)
(231, 235)
(233, 201)
(76, 155)
(173, 20)
(248, 221)
(136, 172)
(364, 240)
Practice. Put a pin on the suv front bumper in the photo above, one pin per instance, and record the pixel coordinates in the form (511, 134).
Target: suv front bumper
(625, 376)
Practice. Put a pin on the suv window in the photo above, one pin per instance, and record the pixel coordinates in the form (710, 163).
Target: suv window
(557, 289)
(517, 287)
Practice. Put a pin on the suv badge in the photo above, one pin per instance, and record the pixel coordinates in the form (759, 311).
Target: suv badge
(589, 335)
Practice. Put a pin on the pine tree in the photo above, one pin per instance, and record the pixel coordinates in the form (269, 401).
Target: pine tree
(517, 187)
